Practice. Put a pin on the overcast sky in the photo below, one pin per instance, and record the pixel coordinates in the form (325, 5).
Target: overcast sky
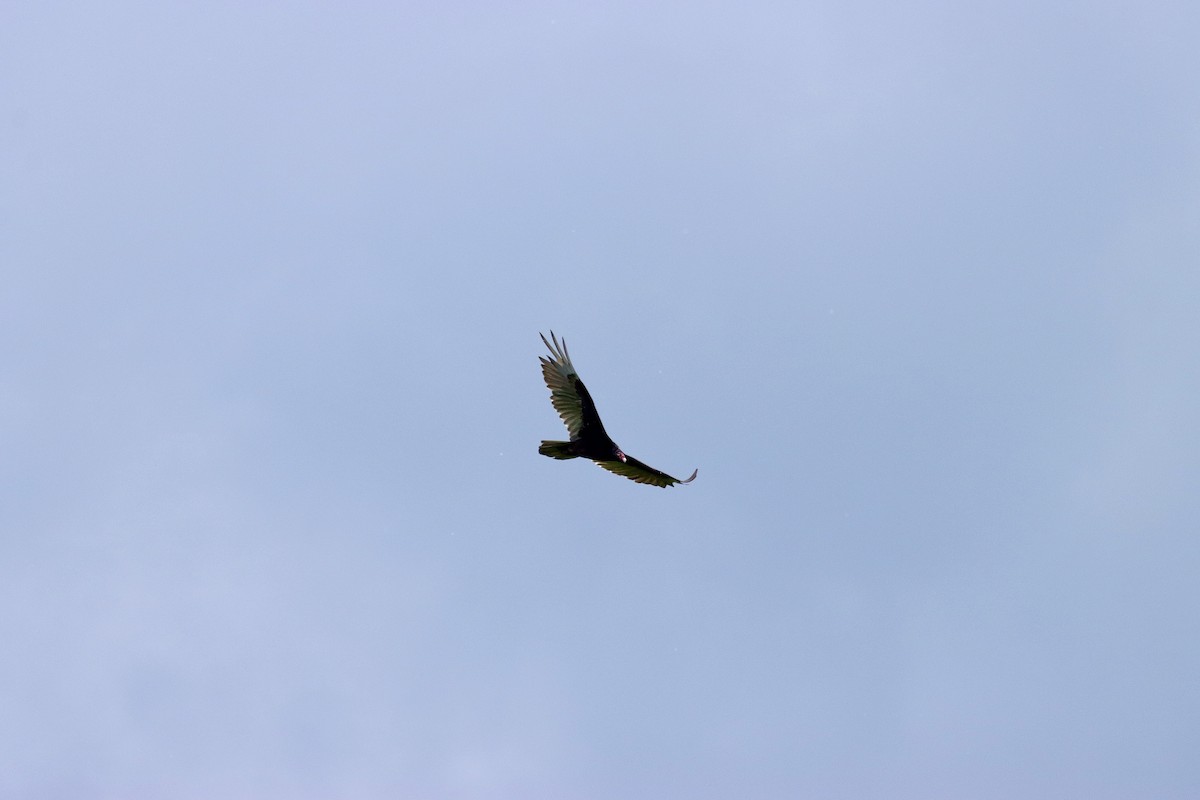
(915, 286)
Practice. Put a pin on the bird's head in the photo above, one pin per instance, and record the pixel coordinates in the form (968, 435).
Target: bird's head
(619, 454)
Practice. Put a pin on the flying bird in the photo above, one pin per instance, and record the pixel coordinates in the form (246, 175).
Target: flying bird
(571, 400)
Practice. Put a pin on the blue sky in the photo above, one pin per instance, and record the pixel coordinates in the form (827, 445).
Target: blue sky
(915, 287)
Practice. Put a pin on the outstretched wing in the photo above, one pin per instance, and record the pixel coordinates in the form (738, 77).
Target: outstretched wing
(637, 471)
(568, 395)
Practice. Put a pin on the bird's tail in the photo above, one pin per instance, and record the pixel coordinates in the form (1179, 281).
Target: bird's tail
(561, 450)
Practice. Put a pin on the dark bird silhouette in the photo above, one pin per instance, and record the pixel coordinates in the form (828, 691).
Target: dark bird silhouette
(571, 400)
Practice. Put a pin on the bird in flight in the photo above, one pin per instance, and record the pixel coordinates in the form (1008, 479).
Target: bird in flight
(571, 400)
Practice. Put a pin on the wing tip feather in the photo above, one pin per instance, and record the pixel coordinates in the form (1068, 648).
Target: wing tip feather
(557, 349)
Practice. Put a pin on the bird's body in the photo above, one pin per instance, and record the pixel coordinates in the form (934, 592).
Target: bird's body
(574, 404)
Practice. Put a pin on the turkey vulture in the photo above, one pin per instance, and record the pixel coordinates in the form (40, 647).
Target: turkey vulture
(571, 400)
